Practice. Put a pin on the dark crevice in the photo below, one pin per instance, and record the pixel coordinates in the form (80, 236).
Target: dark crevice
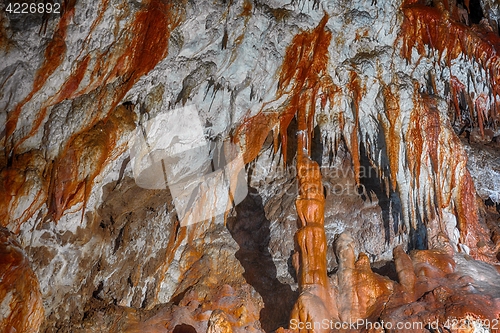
(475, 11)
(184, 328)
(490, 203)
(118, 240)
(387, 268)
(370, 182)
(291, 144)
(418, 235)
(180, 296)
(317, 146)
(150, 292)
(95, 293)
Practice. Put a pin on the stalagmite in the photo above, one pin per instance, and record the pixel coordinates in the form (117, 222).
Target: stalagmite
(315, 301)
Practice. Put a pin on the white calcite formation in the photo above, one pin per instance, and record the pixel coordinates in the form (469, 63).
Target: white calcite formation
(101, 104)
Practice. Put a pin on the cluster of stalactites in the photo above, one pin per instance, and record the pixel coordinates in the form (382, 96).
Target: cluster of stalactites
(303, 80)
(446, 29)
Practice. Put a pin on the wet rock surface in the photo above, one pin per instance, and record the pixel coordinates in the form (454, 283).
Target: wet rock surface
(396, 102)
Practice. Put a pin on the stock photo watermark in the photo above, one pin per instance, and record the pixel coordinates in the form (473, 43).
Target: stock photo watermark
(359, 324)
(436, 325)
(206, 178)
(342, 184)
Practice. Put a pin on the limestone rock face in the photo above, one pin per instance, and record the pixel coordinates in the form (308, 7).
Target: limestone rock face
(249, 166)
(21, 308)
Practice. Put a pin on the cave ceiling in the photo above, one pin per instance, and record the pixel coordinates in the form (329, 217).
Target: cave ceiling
(249, 166)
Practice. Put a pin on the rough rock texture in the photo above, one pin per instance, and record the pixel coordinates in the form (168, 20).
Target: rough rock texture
(396, 101)
(21, 309)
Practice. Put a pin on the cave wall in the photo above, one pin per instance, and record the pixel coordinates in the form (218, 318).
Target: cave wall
(390, 85)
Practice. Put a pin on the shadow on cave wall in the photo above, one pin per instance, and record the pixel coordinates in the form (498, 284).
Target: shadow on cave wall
(389, 201)
(250, 229)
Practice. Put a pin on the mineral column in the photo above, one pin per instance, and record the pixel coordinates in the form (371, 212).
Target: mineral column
(315, 302)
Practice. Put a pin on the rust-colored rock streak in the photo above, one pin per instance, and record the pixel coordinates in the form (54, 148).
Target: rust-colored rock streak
(24, 182)
(303, 75)
(83, 159)
(70, 176)
(145, 44)
(20, 297)
(303, 79)
(53, 57)
(452, 185)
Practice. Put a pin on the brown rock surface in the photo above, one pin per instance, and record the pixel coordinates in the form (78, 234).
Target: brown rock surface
(447, 296)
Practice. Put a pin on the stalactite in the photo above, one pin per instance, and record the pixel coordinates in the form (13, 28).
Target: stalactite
(435, 28)
(391, 132)
(303, 79)
(355, 89)
(451, 186)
